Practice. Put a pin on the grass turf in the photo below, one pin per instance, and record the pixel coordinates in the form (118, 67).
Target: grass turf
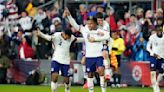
(23, 88)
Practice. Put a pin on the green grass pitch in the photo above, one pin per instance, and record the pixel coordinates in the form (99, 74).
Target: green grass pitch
(23, 88)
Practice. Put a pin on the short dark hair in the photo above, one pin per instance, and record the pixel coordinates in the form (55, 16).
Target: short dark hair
(67, 32)
(94, 19)
(99, 15)
(158, 28)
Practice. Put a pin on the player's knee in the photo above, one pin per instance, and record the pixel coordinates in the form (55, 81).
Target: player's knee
(54, 80)
(54, 77)
(100, 71)
(105, 54)
(66, 80)
(90, 75)
(83, 61)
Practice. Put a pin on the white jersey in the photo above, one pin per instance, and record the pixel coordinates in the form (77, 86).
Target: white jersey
(62, 47)
(156, 45)
(93, 49)
(26, 23)
(105, 26)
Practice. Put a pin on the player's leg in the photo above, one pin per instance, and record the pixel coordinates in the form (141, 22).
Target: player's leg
(153, 72)
(160, 67)
(54, 75)
(100, 70)
(90, 69)
(117, 72)
(112, 81)
(106, 61)
(84, 72)
(65, 74)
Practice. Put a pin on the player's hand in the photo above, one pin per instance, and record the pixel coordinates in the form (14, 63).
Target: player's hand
(100, 33)
(66, 13)
(91, 39)
(157, 56)
(38, 32)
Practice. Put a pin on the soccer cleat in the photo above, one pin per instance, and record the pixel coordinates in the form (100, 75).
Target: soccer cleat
(85, 86)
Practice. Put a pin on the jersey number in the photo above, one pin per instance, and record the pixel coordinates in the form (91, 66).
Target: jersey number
(60, 43)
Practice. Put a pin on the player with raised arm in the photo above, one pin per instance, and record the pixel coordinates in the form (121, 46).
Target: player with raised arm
(61, 56)
(94, 46)
(102, 24)
(155, 47)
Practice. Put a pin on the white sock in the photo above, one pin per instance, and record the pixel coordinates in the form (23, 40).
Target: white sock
(153, 80)
(157, 89)
(159, 78)
(67, 87)
(106, 64)
(53, 86)
(90, 84)
(84, 71)
(110, 72)
(102, 84)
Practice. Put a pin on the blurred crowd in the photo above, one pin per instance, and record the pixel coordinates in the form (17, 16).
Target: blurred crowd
(20, 19)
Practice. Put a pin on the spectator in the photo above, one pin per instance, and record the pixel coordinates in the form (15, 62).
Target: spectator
(82, 14)
(149, 17)
(4, 65)
(54, 13)
(4, 60)
(25, 50)
(146, 30)
(2, 7)
(140, 15)
(92, 11)
(12, 10)
(39, 17)
(56, 26)
(26, 22)
(17, 40)
(159, 13)
(127, 17)
(160, 21)
(133, 27)
(139, 49)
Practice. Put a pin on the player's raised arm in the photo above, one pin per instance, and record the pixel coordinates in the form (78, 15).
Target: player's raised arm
(80, 40)
(46, 37)
(71, 20)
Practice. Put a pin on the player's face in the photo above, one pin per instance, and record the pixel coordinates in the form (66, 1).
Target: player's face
(159, 33)
(100, 21)
(114, 35)
(91, 24)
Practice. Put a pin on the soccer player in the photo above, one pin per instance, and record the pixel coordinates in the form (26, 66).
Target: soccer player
(94, 47)
(155, 47)
(61, 56)
(102, 24)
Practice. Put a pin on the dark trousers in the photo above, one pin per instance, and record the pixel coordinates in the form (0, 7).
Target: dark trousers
(3, 72)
